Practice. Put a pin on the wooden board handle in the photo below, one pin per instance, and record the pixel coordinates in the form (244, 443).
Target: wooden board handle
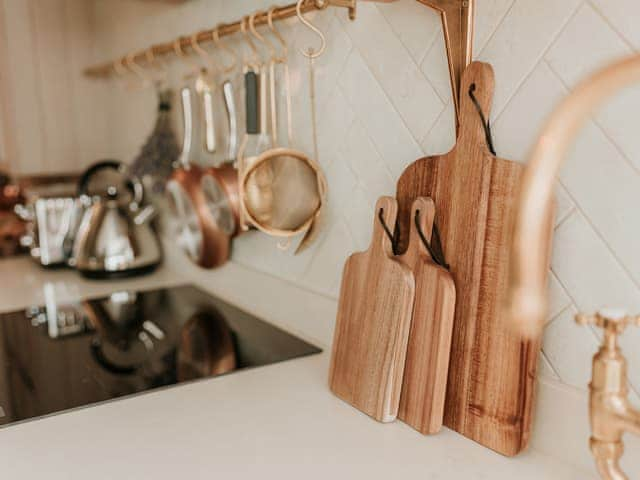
(478, 81)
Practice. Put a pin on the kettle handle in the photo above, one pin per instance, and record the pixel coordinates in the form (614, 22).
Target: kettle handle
(133, 183)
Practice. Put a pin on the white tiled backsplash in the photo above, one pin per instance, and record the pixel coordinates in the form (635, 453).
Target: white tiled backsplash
(384, 101)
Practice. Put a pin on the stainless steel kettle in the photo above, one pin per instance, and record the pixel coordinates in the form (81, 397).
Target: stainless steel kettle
(115, 237)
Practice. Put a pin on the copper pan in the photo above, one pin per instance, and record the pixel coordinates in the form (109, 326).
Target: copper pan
(226, 174)
(207, 222)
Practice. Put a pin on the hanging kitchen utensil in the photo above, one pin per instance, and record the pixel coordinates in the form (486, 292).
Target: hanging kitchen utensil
(475, 197)
(280, 60)
(205, 87)
(427, 364)
(219, 184)
(207, 217)
(204, 223)
(154, 163)
(182, 187)
(372, 326)
(297, 187)
(256, 194)
(255, 138)
(115, 238)
(229, 100)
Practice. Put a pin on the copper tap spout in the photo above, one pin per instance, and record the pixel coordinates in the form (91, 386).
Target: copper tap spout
(526, 302)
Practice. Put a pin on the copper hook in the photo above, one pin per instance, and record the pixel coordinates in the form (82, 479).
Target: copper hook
(119, 67)
(310, 52)
(177, 48)
(182, 55)
(256, 56)
(150, 57)
(223, 46)
(130, 62)
(156, 64)
(213, 67)
(276, 33)
(122, 70)
(260, 37)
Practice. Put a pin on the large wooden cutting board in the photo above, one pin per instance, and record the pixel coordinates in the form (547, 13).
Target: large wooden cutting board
(372, 326)
(425, 374)
(492, 370)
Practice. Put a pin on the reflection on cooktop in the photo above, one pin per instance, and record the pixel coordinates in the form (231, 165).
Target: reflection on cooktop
(58, 357)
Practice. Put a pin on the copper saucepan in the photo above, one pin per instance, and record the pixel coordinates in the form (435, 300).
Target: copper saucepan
(204, 201)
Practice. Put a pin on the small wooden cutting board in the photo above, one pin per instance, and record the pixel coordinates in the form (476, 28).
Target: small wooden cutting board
(427, 365)
(372, 326)
(492, 370)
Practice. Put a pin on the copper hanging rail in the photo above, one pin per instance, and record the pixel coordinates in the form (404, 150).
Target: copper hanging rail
(457, 24)
(163, 49)
(457, 21)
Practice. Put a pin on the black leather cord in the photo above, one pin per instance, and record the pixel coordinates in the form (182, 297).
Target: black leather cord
(434, 250)
(392, 238)
(485, 123)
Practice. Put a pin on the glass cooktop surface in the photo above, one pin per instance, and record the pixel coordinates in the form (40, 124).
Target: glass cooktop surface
(59, 357)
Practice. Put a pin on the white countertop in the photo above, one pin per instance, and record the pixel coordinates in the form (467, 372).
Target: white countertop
(278, 421)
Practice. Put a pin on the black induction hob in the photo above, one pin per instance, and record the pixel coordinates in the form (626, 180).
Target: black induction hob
(59, 357)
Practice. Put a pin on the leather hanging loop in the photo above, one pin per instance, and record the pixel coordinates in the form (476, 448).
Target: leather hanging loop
(434, 247)
(486, 125)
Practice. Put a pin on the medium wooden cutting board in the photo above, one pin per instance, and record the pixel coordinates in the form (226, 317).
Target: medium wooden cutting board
(425, 376)
(492, 370)
(372, 326)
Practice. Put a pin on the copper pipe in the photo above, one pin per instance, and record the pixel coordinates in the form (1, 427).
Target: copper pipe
(163, 49)
(457, 17)
(608, 461)
(527, 298)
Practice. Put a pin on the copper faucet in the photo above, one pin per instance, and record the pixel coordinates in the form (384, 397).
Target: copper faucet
(611, 413)
(527, 295)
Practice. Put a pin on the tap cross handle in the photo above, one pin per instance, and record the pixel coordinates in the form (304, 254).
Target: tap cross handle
(613, 320)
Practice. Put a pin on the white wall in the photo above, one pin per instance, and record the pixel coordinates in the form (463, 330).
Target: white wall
(52, 117)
